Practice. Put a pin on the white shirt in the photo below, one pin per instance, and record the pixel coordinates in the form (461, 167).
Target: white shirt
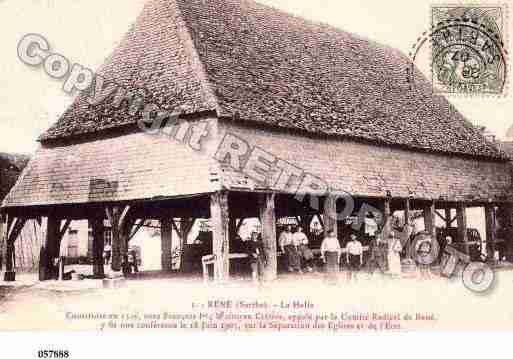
(298, 238)
(330, 244)
(371, 227)
(286, 238)
(354, 248)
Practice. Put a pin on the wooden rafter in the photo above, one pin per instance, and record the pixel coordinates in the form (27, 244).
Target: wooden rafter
(136, 229)
(16, 225)
(241, 222)
(320, 221)
(64, 228)
(124, 216)
(173, 223)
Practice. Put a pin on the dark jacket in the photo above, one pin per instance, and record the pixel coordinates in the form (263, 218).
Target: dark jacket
(255, 247)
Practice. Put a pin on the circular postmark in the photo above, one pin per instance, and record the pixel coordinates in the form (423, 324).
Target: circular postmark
(466, 57)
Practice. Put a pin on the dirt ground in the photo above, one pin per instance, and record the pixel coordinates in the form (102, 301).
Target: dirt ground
(143, 302)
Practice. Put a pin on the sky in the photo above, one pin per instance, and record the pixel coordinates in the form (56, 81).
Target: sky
(86, 31)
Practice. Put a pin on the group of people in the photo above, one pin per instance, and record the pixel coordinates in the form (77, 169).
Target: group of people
(295, 247)
(384, 252)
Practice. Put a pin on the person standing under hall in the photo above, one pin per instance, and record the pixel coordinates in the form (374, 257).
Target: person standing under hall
(301, 242)
(287, 246)
(393, 255)
(354, 256)
(257, 258)
(377, 258)
(330, 253)
(107, 250)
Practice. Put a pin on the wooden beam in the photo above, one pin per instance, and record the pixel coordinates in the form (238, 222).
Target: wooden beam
(407, 211)
(387, 217)
(232, 226)
(98, 228)
(330, 214)
(504, 217)
(430, 219)
(491, 231)
(461, 217)
(239, 224)
(219, 214)
(138, 226)
(3, 235)
(124, 216)
(173, 223)
(64, 228)
(267, 214)
(321, 222)
(50, 230)
(441, 216)
(166, 243)
(14, 227)
(305, 222)
(114, 214)
(121, 225)
(186, 225)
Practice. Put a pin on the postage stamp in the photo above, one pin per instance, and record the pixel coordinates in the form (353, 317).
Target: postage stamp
(468, 49)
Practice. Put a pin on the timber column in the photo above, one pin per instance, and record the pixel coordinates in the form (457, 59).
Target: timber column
(330, 214)
(268, 220)
(98, 246)
(491, 227)
(3, 235)
(166, 243)
(220, 235)
(429, 219)
(387, 218)
(461, 218)
(50, 228)
(505, 219)
(121, 226)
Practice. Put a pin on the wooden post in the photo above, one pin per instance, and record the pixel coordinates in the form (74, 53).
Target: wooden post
(491, 226)
(387, 218)
(186, 224)
(50, 228)
(330, 214)
(429, 219)
(305, 222)
(448, 216)
(407, 211)
(98, 246)
(220, 232)
(116, 252)
(13, 229)
(267, 216)
(461, 218)
(3, 234)
(166, 244)
(504, 217)
(232, 225)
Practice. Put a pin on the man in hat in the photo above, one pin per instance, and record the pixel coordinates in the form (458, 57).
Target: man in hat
(288, 247)
(354, 255)
(256, 254)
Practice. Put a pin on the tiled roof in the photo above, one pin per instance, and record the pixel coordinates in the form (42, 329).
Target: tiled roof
(134, 166)
(11, 166)
(254, 63)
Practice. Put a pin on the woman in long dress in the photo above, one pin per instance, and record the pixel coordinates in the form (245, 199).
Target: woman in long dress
(393, 255)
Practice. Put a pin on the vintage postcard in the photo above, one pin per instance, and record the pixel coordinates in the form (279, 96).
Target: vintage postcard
(256, 166)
